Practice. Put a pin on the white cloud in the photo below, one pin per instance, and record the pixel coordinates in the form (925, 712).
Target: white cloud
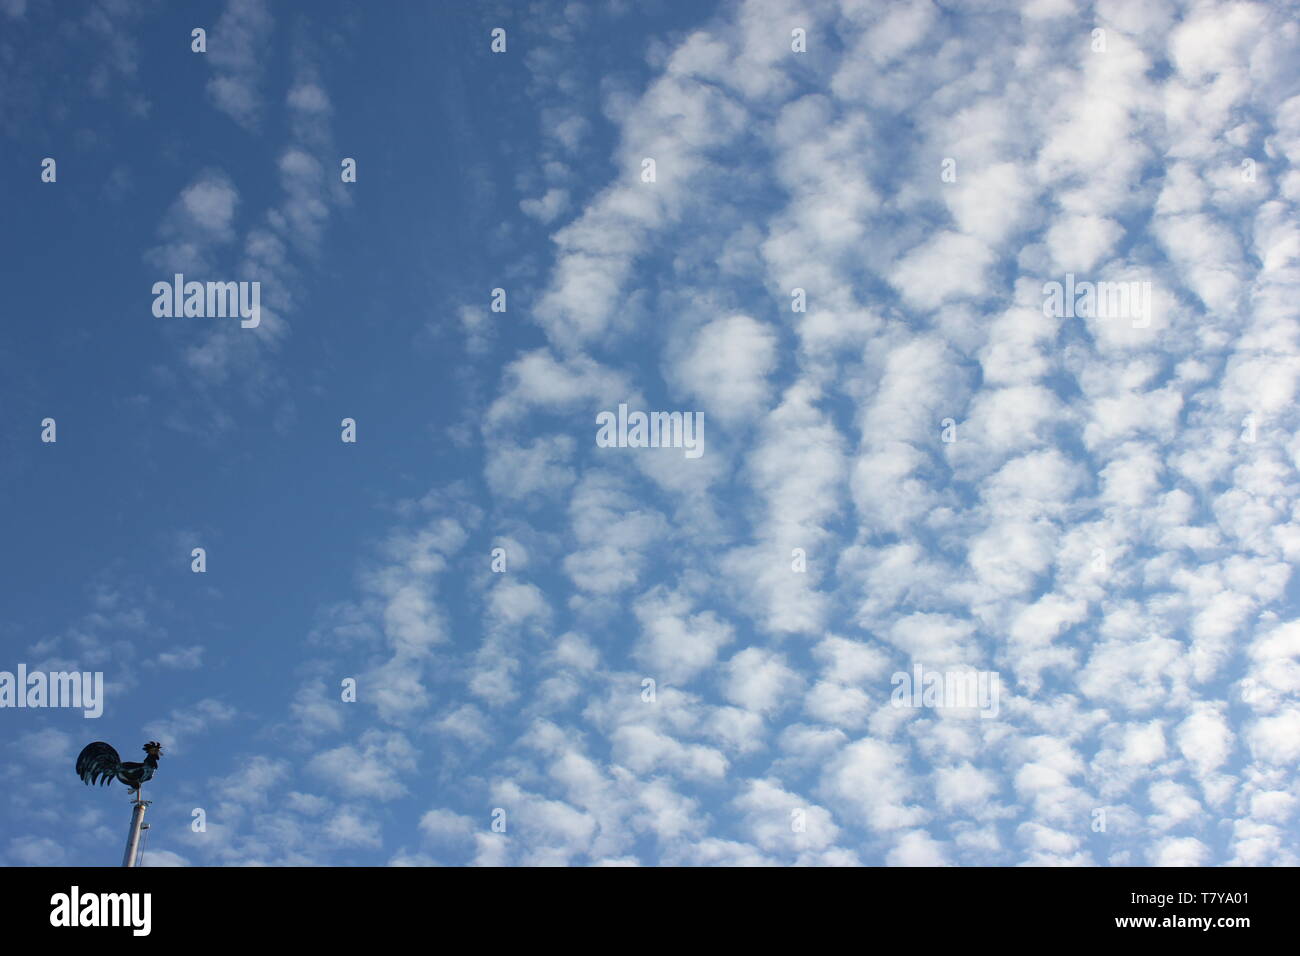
(236, 50)
(548, 206)
(372, 768)
(728, 367)
(676, 645)
(759, 680)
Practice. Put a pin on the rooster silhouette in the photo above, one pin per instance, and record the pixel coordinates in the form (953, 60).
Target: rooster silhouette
(99, 763)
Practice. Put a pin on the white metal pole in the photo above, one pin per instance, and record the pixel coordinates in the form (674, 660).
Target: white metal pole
(137, 822)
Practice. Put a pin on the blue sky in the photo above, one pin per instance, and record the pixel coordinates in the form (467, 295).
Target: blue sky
(921, 467)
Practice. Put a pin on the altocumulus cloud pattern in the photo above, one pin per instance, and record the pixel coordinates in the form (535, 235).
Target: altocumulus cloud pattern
(558, 433)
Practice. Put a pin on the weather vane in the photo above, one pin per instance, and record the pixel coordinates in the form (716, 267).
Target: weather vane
(99, 763)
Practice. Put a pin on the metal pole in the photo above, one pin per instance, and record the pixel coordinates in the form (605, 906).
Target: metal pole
(137, 823)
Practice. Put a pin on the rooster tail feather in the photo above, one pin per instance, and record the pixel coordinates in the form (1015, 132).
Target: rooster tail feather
(98, 763)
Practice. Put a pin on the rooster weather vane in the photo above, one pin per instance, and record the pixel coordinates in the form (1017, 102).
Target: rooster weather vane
(98, 763)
